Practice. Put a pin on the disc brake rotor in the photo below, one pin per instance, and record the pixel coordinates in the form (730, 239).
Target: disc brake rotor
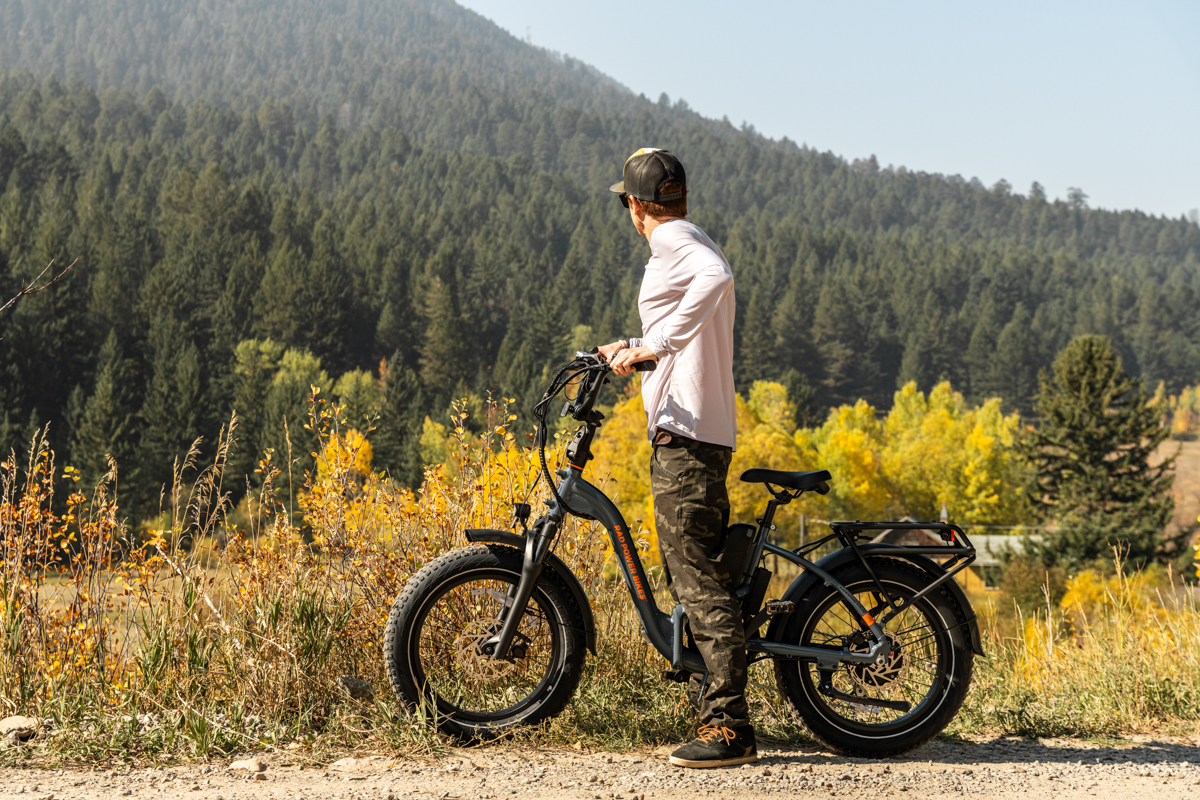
(880, 676)
(474, 662)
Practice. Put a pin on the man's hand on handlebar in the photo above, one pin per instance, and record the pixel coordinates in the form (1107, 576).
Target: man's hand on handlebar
(609, 350)
(622, 363)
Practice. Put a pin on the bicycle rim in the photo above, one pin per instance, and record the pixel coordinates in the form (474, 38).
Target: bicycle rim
(914, 672)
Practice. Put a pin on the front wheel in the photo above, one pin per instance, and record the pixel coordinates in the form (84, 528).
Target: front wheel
(431, 647)
(929, 666)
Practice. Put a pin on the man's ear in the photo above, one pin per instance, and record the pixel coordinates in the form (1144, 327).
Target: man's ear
(636, 207)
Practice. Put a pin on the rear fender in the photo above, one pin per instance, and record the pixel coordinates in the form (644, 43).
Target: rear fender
(476, 535)
(807, 581)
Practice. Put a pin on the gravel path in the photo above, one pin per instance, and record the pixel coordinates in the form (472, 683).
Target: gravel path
(1007, 767)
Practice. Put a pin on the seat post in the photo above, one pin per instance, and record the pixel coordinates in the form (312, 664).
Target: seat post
(764, 526)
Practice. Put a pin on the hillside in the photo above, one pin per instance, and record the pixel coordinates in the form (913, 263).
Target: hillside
(364, 182)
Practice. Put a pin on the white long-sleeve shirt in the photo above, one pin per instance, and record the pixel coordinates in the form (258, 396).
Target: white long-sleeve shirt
(687, 308)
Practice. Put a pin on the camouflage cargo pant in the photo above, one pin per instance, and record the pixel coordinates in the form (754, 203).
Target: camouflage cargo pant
(691, 511)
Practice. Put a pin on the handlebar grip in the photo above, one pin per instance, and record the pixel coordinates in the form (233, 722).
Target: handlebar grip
(645, 366)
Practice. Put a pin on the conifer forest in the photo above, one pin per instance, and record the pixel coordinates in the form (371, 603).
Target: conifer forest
(402, 204)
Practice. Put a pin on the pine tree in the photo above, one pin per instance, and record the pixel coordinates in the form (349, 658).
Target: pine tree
(107, 425)
(756, 349)
(980, 350)
(173, 409)
(362, 395)
(1013, 370)
(397, 438)
(1092, 450)
(446, 354)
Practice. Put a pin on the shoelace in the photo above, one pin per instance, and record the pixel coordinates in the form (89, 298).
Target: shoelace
(710, 733)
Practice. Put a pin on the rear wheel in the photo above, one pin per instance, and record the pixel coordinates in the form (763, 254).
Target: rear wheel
(448, 609)
(929, 666)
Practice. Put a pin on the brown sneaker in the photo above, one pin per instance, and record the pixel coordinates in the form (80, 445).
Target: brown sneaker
(717, 746)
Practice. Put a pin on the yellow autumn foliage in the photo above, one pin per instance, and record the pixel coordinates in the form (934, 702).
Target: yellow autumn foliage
(928, 450)
(939, 450)
(622, 465)
(1101, 620)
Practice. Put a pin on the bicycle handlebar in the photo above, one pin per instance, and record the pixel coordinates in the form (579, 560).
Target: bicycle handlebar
(594, 356)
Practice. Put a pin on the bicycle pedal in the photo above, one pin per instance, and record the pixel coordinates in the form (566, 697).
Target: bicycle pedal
(677, 675)
(780, 607)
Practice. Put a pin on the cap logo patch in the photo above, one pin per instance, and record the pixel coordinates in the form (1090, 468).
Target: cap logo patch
(642, 152)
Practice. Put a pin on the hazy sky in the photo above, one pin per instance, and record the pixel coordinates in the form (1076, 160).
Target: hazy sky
(1100, 95)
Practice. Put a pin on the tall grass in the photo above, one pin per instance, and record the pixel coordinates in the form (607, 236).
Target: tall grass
(220, 630)
(1116, 654)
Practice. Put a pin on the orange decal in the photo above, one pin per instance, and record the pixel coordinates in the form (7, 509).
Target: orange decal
(629, 562)
(867, 618)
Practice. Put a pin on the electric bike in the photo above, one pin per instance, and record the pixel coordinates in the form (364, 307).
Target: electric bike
(872, 645)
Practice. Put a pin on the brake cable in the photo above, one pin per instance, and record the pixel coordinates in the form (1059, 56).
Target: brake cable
(539, 411)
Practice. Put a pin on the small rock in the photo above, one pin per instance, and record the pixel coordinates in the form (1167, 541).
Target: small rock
(250, 765)
(349, 764)
(259, 776)
(20, 728)
(357, 688)
(388, 794)
(767, 772)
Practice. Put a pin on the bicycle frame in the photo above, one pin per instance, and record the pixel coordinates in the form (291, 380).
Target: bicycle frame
(665, 632)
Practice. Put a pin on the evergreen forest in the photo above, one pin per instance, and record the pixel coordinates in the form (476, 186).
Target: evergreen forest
(402, 204)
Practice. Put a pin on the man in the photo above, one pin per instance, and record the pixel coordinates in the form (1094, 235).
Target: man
(687, 307)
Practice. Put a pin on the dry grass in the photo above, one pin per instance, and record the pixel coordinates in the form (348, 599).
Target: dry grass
(166, 646)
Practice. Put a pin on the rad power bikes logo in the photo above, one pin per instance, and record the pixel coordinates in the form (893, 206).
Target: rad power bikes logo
(630, 564)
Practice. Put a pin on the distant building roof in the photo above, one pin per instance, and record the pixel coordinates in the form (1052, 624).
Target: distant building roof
(990, 546)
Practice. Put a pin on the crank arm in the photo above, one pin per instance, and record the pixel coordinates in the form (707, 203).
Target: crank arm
(826, 688)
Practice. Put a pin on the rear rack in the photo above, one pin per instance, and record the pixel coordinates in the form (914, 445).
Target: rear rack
(959, 550)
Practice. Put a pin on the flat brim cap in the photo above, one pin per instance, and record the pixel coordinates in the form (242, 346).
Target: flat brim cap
(646, 171)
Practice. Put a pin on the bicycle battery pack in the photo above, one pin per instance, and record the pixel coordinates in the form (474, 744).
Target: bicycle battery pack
(739, 547)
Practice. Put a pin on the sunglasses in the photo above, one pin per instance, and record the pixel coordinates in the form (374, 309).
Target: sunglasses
(624, 198)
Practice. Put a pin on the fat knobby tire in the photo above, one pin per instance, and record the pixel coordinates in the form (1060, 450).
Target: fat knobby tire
(800, 695)
(423, 589)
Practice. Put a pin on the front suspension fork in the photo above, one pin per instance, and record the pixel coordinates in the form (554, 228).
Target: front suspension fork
(537, 545)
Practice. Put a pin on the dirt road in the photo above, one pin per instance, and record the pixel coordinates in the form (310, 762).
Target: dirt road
(988, 768)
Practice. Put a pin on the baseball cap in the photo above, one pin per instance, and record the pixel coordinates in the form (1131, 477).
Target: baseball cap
(646, 171)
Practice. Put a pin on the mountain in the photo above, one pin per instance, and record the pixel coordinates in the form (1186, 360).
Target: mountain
(404, 181)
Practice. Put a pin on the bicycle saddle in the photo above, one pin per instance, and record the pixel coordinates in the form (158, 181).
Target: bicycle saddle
(800, 481)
